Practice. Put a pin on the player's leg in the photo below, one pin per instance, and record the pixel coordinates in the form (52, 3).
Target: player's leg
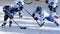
(10, 21)
(5, 20)
(50, 18)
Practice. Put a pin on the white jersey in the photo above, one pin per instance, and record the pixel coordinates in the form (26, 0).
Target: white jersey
(55, 2)
(42, 15)
(16, 1)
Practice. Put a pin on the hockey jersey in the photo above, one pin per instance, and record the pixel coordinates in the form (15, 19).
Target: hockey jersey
(42, 16)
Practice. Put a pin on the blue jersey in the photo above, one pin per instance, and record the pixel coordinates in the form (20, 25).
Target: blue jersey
(6, 9)
(13, 11)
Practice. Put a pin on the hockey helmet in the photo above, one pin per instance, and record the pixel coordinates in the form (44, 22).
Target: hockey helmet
(38, 8)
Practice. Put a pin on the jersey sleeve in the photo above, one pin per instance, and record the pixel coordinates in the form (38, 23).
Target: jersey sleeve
(5, 8)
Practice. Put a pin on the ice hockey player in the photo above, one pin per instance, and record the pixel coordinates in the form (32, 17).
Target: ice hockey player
(19, 5)
(43, 15)
(52, 5)
(9, 12)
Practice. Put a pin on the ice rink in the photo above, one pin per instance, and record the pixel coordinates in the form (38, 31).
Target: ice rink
(29, 22)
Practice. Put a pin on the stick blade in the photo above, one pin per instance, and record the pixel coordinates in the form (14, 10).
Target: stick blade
(23, 27)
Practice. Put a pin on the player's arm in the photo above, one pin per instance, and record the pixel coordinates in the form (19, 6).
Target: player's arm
(5, 10)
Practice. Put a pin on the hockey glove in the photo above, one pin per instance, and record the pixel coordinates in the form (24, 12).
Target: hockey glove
(33, 15)
(20, 15)
(35, 18)
(56, 17)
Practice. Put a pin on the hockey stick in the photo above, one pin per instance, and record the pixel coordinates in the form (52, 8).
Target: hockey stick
(33, 17)
(18, 25)
(28, 3)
